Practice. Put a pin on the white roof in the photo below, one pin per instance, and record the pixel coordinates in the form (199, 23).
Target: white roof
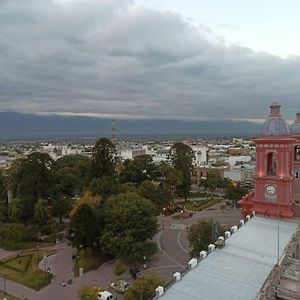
(238, 270)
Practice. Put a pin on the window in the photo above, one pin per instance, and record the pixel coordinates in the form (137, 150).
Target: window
(271, 164)
(297, 152)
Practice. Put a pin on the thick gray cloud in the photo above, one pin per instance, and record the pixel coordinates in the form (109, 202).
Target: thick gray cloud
(111, 57)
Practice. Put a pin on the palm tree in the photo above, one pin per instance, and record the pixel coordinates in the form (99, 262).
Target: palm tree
(16, 210)
(41, 211)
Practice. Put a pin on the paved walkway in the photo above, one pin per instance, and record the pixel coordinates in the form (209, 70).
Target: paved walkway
(173, 256)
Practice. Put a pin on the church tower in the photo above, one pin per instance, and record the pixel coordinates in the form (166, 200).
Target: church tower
(274, 191)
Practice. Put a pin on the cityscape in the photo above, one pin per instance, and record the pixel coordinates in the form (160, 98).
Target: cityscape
(149, 150)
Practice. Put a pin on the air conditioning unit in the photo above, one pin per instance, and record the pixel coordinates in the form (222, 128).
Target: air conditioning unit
(176, 276)
(193, 263)
(242, 223)
(221, 238)
(253, 213)
(248, 217)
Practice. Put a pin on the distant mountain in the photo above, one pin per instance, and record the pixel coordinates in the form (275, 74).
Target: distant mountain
(30, 125)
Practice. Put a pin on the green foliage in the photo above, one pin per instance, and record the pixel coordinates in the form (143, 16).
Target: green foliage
(170, 178)
(139, 169)
(105, 186)
(13, 236)
(3, 193)
(15, 210)
(41, 211)
(61, 206)
(89, 292)
(200, 205)
(151, 192)
(182, 157)
(144, 287)
(202, 234)
(89, 259)
(119, 268)
(235, 192)
(32, 178)
(84, 227)
(213, 181)
(23, 268)
(68, 179)
(102, 162)
(129, 221)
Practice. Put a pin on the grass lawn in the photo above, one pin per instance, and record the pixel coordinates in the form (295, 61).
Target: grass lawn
(7, 296)
(89, 292)
(23, 268)
(27, 245)
(200, 205)
(88, 260)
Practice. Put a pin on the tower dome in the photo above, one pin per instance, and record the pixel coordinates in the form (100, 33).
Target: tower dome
(295, 128)
(275, 124)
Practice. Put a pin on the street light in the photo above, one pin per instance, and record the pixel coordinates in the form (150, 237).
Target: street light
(278, 224)
(141, 277)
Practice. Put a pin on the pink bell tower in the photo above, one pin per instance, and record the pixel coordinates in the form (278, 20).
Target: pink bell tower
(273, 194)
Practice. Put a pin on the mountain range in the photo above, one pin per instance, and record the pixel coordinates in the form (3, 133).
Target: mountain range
(14, 124)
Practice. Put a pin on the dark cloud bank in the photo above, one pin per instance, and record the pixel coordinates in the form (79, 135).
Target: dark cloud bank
(113, 58)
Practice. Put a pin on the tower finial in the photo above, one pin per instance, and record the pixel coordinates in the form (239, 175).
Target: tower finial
(275, 110)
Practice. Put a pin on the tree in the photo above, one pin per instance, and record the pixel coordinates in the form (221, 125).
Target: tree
(60, 206)
(87, 198)
(182, 157)
(84, 227)
(3, 193)
(129, 221)
(68, 179)
(33, 179)
(102, 162)
(202, 234)
(234, 192)
(151, 192)
(144, 287)
(170, 179)
(139, 169)
(41, 211)
(214, 180)
(76, 165)
(105, 186)
(15, 210)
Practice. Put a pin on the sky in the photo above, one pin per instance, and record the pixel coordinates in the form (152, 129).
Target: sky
(150, 59)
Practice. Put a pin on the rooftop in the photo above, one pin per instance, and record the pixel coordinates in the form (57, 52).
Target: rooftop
(239, 269)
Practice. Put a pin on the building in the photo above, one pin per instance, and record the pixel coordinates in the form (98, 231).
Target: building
(200, 155)
(247, 175)
(239, 270)
(201, 172)
(277, 178)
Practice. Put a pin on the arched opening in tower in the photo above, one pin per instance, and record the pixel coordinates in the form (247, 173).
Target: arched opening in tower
(271, 164)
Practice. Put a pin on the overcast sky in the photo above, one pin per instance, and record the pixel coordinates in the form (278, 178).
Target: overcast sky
(168, 59)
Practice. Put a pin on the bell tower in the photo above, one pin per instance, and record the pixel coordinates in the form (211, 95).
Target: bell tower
(273, 194)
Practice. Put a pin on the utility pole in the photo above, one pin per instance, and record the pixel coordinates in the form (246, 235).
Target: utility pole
(113, 131)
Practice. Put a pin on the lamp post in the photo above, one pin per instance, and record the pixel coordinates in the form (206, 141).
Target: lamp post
(141, 277)
(278, 224)
(4, 284)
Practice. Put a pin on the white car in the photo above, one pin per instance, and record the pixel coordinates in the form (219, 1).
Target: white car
(105, 295)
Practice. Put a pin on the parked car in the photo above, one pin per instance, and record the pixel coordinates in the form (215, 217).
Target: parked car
(105, 295)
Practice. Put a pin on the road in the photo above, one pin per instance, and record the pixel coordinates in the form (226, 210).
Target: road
(173, 256)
